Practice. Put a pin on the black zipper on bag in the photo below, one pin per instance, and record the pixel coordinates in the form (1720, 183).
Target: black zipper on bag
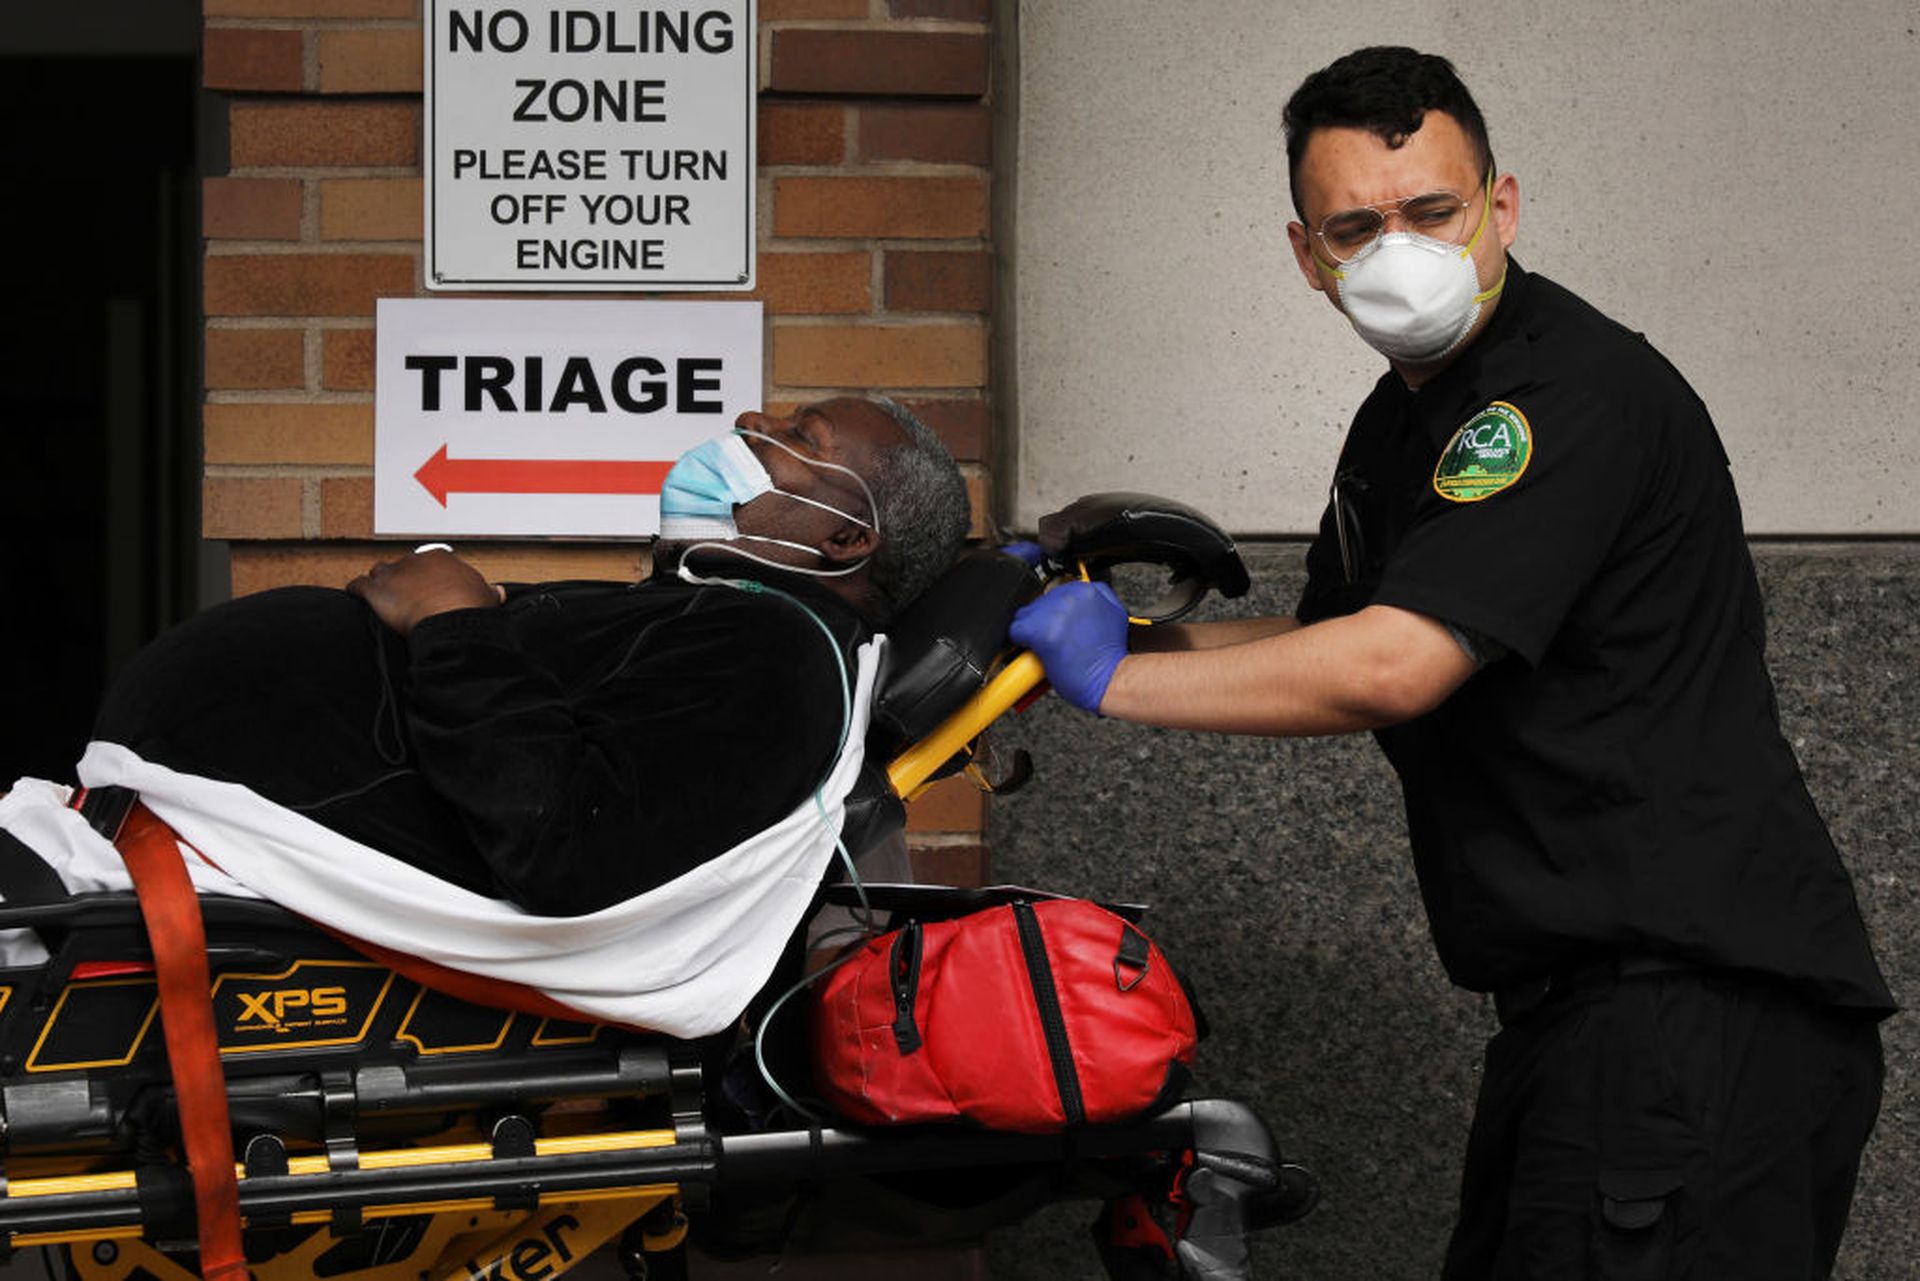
(1047, 997)
(903, 969)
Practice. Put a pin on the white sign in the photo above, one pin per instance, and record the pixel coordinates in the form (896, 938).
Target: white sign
(590, 148)
(496, 417)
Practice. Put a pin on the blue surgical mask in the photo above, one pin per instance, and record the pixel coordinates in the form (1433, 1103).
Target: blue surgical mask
(700, 492)
(698, 496)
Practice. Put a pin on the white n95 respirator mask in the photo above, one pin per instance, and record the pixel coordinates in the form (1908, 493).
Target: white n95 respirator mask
(1411, 297)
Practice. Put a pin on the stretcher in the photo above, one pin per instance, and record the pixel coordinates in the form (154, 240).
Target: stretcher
(385, 1128)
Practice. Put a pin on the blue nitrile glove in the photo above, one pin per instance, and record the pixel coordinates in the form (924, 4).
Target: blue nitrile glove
(1079, 633)
(1031, 552)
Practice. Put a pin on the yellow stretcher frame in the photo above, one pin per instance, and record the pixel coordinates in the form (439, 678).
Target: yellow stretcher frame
(1017, 677)
(455, 1246)
(910, 771)
(464, 1237)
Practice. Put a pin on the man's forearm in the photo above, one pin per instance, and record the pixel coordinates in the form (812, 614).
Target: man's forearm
(1379, 667)
(1178, 637)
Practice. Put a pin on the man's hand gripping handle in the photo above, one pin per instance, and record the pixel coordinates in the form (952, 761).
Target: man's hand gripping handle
(1079, 632)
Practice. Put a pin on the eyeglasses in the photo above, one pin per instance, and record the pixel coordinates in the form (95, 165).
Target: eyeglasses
(1438, 214)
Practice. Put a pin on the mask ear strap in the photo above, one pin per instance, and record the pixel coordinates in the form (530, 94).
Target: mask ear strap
(825, 507)
(872, 506)
(687, 574)
(1486, 216)
(1496, 287)
(1466, 251)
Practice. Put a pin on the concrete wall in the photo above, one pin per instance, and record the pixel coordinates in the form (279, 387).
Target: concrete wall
(1281, 882)
(1733, 177)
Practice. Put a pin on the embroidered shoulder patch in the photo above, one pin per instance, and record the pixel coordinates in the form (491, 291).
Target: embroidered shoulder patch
(1485, 456)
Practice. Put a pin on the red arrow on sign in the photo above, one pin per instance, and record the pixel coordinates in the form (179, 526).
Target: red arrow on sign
(441, 475)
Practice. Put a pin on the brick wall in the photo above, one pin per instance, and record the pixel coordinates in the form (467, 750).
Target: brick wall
(874, 267)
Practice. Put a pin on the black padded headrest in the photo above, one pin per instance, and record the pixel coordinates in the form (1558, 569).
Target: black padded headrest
(1119, 528)
(940, 647)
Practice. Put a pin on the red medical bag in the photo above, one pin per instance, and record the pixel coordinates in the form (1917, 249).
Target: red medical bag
(1030, 1017)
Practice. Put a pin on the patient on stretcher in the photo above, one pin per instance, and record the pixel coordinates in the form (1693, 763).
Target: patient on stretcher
(566, 747)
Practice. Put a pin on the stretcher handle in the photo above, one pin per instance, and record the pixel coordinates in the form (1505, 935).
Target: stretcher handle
(1019, 676)
(1087, 538)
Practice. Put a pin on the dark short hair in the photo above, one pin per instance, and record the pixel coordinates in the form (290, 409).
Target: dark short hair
(1385, 89)
(924, 512)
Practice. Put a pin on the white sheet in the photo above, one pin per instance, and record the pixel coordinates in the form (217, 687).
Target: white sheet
(684, 958)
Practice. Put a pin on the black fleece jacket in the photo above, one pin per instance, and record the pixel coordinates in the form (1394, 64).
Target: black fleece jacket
(579, 744)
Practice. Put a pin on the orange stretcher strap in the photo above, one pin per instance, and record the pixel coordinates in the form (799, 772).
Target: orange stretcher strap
(179, 943)
(476, 989)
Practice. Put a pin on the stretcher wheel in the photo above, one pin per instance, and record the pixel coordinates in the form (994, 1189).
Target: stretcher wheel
(655, 1248)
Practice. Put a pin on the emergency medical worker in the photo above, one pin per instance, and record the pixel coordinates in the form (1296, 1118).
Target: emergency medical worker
(1532, 583)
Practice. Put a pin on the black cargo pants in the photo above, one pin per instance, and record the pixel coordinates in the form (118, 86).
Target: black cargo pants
(1685, 1126)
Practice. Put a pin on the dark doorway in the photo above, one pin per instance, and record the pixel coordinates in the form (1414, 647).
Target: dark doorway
(99, 363)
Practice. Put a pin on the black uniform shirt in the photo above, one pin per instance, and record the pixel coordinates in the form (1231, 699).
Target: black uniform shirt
(1617, 781)
(577, 745)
